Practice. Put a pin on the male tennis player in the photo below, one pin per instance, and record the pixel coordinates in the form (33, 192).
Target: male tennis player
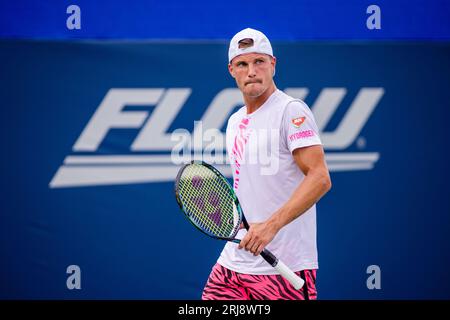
(278, 196)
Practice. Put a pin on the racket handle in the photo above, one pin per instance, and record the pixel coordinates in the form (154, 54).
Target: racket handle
(283, 269)
(290, 276)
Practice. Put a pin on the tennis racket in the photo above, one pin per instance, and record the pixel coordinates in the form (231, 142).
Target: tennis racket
(209, 202)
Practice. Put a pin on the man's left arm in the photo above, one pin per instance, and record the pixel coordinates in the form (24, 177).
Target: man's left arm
(317, 182)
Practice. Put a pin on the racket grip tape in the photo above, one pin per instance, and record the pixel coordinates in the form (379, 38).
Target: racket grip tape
(287, 273)
(283, 269)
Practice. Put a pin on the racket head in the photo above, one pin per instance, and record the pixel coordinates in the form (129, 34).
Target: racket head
(208, 200)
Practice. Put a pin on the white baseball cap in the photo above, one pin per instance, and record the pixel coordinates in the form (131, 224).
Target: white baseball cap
(261, 43)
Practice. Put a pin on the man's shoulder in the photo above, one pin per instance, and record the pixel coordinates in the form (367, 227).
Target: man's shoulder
(291, 103)
(289, 100)
(283, 100)
(287, 104)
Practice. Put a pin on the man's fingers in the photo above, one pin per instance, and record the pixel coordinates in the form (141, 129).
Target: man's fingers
(241, 244)
(259, 250)
(250, 245)
(244, 241)
(247, 242)
(254, 248)
(252, 242)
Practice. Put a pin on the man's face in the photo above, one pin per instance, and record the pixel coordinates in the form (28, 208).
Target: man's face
(253, 73)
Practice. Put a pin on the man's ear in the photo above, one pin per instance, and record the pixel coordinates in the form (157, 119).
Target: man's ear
(274, 64)
(230, 69)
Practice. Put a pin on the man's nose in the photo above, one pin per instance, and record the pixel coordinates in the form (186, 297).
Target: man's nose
(251, 70)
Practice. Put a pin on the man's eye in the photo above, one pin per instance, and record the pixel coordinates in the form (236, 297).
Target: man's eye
(259, 61)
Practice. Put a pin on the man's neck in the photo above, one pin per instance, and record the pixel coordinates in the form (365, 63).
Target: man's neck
(253, 104)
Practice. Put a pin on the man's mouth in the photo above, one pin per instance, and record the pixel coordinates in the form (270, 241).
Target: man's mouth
(250, 82)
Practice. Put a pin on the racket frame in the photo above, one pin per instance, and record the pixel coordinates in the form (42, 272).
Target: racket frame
(265, 254)
(241, 217)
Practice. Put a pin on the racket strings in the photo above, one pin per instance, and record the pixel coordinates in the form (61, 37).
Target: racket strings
(208, 201)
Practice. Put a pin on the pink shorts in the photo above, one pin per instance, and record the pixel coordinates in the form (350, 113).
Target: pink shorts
(225, 284)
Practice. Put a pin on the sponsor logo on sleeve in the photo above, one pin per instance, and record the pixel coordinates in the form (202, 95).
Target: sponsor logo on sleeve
(301, 135)
(297, 122)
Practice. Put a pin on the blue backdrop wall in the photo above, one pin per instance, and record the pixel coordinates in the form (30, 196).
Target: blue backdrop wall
(203, 19)
(77, 190)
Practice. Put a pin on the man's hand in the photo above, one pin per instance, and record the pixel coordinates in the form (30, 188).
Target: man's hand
(258, 237)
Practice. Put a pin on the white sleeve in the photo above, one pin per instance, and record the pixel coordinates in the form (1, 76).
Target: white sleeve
(299, 126)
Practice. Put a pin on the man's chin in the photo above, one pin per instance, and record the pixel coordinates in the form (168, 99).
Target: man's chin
(253, 93)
